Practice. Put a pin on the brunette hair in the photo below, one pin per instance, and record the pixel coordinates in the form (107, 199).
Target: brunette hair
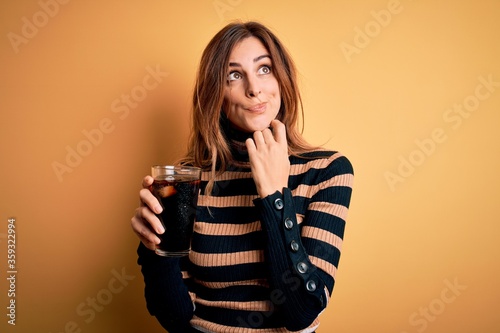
(207, 147)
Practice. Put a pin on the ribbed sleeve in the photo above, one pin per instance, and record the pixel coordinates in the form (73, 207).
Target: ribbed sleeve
(292, 270)
(167, 296)
(288, 264)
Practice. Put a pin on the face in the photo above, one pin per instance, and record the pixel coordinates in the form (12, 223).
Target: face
(251, 96)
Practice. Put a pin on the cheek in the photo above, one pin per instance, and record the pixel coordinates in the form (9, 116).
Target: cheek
(274, 88)
(276, 93)
(231, 96)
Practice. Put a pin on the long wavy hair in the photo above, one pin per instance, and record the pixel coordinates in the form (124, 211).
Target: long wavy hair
(208, 147)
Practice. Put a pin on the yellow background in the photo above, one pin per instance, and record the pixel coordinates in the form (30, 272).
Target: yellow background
(422, 241)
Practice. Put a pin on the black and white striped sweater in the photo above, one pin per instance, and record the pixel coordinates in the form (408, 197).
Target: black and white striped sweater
(256, 265)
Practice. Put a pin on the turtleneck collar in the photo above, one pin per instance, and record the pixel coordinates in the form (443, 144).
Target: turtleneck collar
(236, 139)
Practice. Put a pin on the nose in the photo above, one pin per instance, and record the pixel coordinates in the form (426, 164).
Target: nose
(253, 88)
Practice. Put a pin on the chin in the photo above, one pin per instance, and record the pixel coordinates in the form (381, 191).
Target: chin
(261, 126)
(257, 129)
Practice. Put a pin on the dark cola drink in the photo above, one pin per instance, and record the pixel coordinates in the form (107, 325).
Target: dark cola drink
(178, 196)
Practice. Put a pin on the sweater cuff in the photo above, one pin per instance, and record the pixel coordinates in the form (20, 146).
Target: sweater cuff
(279, 219)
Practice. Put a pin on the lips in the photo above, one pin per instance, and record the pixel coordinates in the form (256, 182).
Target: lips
(258, 108)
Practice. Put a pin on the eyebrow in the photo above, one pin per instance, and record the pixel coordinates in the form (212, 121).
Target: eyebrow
(235, 64)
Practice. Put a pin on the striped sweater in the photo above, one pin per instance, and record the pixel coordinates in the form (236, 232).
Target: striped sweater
(256, 265)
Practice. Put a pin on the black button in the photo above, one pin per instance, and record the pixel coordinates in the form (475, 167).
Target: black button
(302, 267)
(294, 246)
(288, 223)
(278, 204)
(311, 285)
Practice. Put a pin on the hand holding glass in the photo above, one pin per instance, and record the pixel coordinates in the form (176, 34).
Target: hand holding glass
(176, 188)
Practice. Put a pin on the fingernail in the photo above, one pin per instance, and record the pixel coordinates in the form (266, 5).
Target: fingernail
(158, 209)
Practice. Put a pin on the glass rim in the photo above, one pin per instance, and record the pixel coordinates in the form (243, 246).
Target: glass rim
(172, 170)
(175, 167)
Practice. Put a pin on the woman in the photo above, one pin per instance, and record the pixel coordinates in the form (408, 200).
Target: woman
(271, 213)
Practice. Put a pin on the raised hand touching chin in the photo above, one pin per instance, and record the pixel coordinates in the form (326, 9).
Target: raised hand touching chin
(268, 153)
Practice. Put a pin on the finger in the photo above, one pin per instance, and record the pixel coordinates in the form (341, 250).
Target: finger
(250, 144)
(268, 136)
(279, 131)
(150, 240)
(149, 219)
(147, 237)
(258, 138)
(149, 200)
(147, 181)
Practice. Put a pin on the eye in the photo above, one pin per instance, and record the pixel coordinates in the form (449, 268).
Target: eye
(233, 76)
(265, 70)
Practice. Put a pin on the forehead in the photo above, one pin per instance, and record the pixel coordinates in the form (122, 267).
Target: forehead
(247, 49)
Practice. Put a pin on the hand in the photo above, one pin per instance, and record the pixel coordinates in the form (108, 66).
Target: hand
(268, 153)
(145, 220)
